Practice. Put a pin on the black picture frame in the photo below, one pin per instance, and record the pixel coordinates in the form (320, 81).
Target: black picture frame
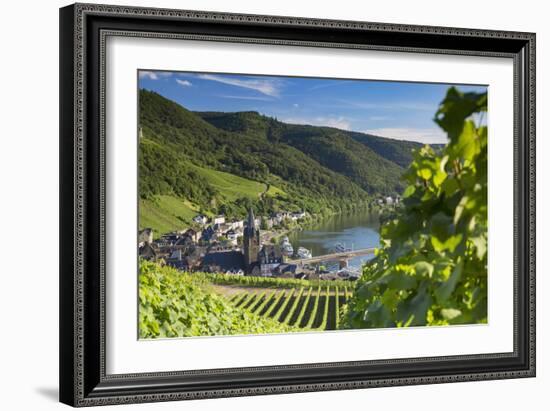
(83, 29)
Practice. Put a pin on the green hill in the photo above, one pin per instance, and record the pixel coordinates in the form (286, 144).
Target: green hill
(397, 151)
(228, 162)
(334, 149)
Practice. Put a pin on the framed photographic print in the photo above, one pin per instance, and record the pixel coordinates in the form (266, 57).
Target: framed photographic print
(261, 204)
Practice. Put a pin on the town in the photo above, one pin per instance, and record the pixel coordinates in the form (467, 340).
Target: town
(255, 246)
(240, 247)
(228, 246)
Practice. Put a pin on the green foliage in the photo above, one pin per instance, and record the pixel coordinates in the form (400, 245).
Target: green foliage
(324, 322)
(314, 310)
(337, 308)
(397, 151)
(295, 305)
(266, 282)
(162, 171)
(280, 314)
(175, 304)
(281, 296)
(431, 268)
(301, 315)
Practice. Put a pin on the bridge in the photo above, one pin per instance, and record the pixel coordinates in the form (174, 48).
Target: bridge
(341, 256)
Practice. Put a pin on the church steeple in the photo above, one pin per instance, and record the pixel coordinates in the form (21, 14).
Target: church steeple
(251, 241)
(251, 219)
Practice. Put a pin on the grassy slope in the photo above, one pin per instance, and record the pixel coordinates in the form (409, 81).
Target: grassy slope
(232, 186)
(168, 213)
(165, 213)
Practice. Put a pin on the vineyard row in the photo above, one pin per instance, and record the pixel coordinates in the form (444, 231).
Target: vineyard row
(309, 308)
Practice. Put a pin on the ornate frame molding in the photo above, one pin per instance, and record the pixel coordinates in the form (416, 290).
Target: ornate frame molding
(82, 349)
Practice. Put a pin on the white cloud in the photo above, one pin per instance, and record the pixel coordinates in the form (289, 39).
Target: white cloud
(336, 122)
(154, 75)
(422, 135)
(295, 105)
(259, 98)
(183, 83)
(269, 87)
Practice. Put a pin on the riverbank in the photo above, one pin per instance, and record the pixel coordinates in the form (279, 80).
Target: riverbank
(355, 230)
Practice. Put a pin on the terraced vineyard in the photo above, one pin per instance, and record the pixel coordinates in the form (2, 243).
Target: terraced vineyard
(269, 282)
(309, 308)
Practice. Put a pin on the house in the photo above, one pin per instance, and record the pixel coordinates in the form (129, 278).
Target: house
(200, 219)
(145, 236)
(231, 235)
(237, 224)
(209, 234)
(269, 257)
(389, 200)
(219, 219)
(147, 252)
(298, 215)
(183, 242)
(193, 234)
(194, 256)
(177, 260)
(223, 261)
(277, 218)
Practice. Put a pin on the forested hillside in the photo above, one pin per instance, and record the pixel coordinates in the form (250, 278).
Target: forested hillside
(227, 162)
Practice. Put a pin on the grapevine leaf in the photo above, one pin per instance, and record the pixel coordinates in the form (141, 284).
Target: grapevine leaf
(444, 291)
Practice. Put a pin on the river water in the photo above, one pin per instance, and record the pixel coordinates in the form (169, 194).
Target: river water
(355, 231)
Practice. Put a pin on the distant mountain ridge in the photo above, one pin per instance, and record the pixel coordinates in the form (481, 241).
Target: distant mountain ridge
(397, 151)
(192, 156)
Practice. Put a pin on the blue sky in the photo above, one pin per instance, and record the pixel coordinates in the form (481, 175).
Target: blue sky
(397, 110)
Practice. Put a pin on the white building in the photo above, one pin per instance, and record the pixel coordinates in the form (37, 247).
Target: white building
(219, 219)
(200, 219)
(298, 215)
(237, 224)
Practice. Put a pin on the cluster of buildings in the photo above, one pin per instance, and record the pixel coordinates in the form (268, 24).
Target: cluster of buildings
(219, 245)
(389, 200)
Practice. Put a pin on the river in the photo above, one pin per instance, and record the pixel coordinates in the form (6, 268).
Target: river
(356, 230)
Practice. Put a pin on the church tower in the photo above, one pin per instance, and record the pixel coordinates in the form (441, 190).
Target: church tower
(251, 241)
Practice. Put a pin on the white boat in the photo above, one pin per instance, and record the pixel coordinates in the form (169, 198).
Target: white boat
(340, 248)
(303, 253)
(287, 249)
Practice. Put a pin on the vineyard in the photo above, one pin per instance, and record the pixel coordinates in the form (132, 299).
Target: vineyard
(269, 282)
(306, 308)
(176, 304)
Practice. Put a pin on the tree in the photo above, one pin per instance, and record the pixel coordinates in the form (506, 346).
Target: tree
(431, 267)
